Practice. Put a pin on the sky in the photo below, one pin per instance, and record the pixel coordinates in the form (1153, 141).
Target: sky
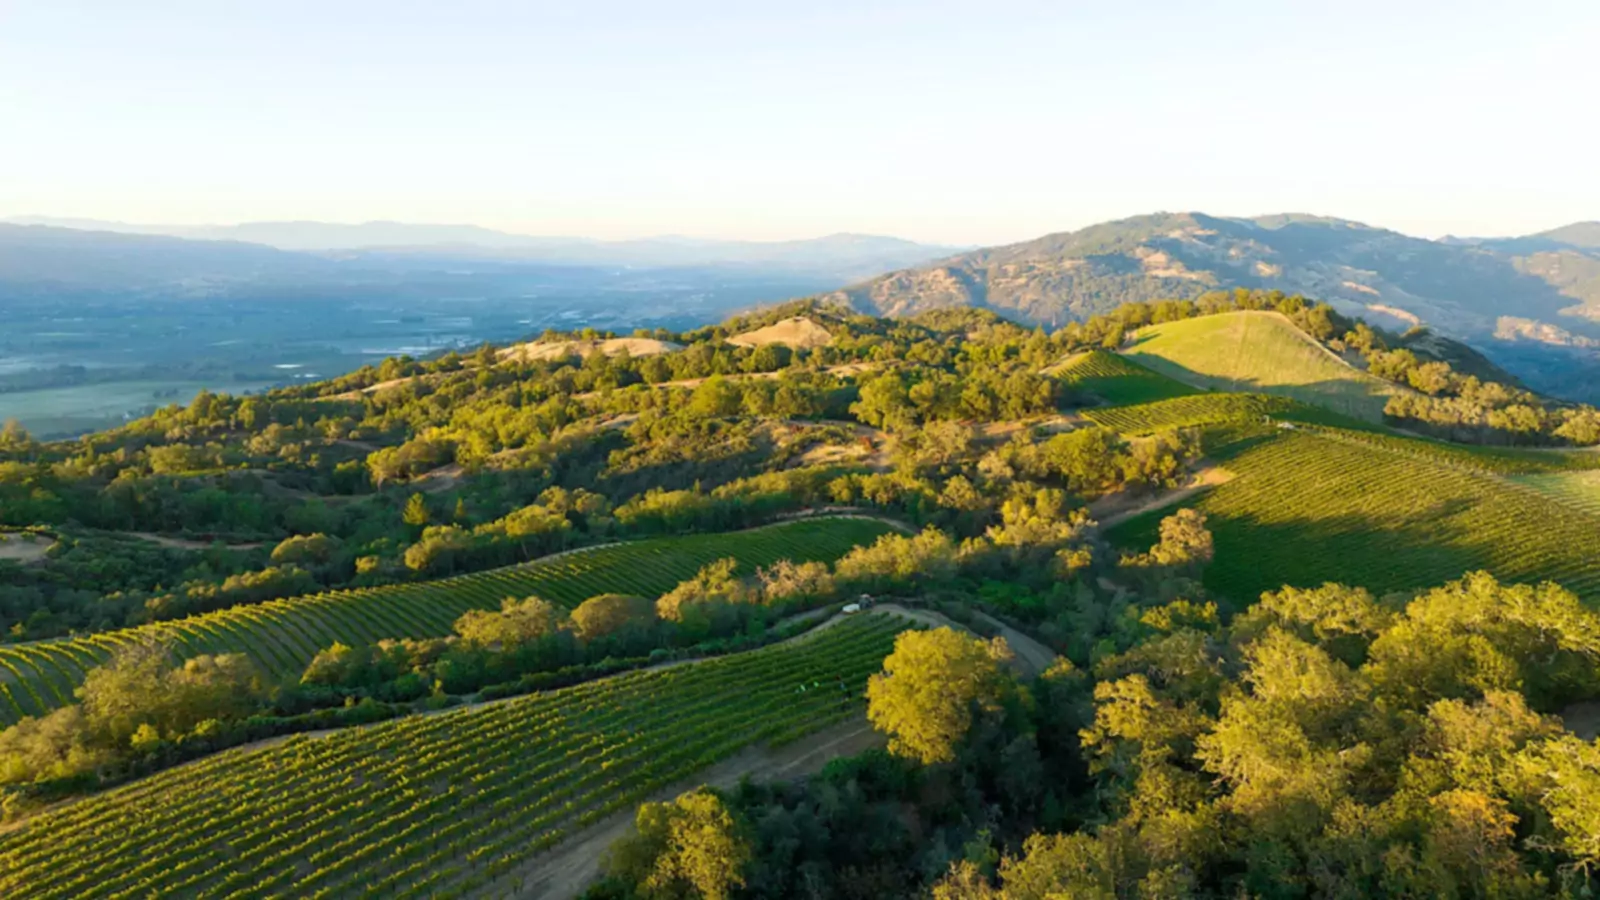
(954, 122)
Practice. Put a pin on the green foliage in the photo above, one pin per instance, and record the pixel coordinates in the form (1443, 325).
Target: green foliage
(134, 702)
(931, 687)
(929, 557)
(1185, 544)
(696, 846)
(1092, 462)
(518, 622)
(416, 513)
(609, 614)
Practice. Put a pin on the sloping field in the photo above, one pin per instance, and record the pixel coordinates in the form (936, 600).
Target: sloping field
(283, 635)
(1317, 505)
(1579, 490)
(1261, 352)
(446, 805)
(1115, 380)
(1190, 411)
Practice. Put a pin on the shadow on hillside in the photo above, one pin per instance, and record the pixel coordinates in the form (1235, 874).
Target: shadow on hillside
(1354, 397)
(1256, 554)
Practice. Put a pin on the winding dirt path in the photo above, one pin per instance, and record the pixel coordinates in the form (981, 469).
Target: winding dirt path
(1109, 511)
(568, 868)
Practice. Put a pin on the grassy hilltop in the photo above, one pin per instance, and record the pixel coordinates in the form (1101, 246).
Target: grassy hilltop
(1259, 352)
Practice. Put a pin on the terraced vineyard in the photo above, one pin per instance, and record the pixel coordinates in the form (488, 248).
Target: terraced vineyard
(1116, 380)
(1579, 490)
(1308, 507)
(282, 636)
(454, 804)
(1190, 411)
(1489, 460)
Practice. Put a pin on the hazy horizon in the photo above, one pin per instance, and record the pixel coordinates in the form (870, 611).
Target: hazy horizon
(84, 221)
(721, 120)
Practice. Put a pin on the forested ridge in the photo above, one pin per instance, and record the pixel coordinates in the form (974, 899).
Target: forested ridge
(1339, 669)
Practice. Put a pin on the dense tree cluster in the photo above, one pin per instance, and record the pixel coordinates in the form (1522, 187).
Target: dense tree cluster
(1323, 743)
(138, 703)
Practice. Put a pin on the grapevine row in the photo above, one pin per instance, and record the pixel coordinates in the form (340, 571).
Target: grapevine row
(282, 636)
(440, 805)
(1312, 507)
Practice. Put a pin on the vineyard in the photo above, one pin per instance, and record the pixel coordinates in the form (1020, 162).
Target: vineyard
(1262, 352)
(1486, 460)
(1117, 381)
(454, 804)
(1309, 507)
(1580, 490)
(1188, 412)
(283, 635)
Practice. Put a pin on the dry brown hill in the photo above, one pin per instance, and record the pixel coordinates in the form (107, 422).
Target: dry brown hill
(613, 347)
(798, 333)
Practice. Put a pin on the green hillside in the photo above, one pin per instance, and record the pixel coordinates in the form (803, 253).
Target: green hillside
(1311, 505)
(1261, 352)
(282, 636)
(432, 805)
(1116, 381)
(1580, 490)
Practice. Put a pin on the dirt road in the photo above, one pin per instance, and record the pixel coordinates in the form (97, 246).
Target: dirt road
(1116, 508)
(566, 870)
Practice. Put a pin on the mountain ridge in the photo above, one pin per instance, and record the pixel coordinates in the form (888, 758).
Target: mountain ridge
(1507, 297)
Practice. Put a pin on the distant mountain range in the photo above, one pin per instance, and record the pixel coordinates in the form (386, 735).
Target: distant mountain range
(1532, 303)
(844, 255)
(1511, 297)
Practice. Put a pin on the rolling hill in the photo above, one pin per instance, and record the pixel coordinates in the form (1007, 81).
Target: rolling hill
(1509, 297)
(1260, 352)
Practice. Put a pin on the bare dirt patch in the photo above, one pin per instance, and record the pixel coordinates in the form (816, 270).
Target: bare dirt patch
(1109, 511)
(24, 549)
(439, 480)
(798, 333)
(563, 349)
(994, 432)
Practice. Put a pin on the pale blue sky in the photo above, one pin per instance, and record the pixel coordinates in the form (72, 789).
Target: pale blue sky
(973, 122)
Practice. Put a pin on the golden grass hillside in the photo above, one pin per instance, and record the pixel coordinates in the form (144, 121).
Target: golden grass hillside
(798, 333)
